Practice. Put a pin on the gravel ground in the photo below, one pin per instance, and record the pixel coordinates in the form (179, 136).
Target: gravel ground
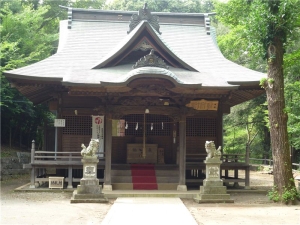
(55, 208)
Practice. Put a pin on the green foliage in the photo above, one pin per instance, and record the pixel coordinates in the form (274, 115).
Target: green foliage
(262, 20)
(293, 108)
(273, 194)
(288, 195)
(245, 121)
(190, 6)
(28, 35)
(87, 4)
(251, 27)
(292, 87)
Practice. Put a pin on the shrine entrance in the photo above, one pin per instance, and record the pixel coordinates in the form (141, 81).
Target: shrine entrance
(144, 138)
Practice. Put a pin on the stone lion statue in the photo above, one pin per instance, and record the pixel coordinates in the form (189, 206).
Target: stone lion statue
(211, 150)
(92, 149)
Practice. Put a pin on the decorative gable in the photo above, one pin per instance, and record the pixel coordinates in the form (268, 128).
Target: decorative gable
(133, 46)
(144, 14)
(144, 35)
(150, 60)
(145, 45)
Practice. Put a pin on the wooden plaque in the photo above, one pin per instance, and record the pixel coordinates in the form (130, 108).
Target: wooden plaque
(135, 153)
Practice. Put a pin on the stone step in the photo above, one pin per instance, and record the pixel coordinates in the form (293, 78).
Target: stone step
(120, 172)
(162, 176)
(173, 173)
(167, 179)
(213, 196)
(129, 186)
(213, 190)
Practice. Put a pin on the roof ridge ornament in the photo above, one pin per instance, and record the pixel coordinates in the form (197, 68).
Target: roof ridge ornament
(150, 60)
(144, 14)
(70, 15)
(207, 23)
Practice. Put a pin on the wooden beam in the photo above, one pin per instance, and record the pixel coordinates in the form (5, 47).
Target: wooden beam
(182, 149)
(108, 148)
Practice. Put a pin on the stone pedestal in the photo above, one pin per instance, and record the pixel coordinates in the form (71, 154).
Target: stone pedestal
(89, 190)
(213, 190)
(181, 188)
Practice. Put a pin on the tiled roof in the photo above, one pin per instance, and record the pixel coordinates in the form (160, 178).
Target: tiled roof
(88, 43)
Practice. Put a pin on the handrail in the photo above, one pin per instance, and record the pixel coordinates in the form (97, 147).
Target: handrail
(52, 152)
(235, 154)
(38, 156)
(271, 162)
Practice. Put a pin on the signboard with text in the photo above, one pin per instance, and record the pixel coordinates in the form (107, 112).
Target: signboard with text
(98, 132)
(59, 123)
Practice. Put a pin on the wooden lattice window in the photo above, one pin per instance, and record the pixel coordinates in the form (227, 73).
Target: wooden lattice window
(203, 127)
(156, 125)
(78, 125)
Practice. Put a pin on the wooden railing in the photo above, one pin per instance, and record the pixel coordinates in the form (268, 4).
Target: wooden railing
(295, 166)
(40, 160)
(233, 158)
(200, 157)
(46, 155)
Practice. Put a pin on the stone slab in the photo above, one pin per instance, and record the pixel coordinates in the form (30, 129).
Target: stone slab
(148, 211)
(198, 200)
(212, 190)
(214, 196)
(88, 198)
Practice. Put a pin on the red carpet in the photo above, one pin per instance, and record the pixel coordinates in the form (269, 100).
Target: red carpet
(143, 177)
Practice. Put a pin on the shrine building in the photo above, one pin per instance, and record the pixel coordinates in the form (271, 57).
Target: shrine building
(151, 86)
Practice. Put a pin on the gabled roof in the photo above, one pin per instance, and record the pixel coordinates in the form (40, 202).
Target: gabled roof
(143, 32)
(96, 50)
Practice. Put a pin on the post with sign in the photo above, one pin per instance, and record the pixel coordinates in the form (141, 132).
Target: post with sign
(98, 133)
(58, 123)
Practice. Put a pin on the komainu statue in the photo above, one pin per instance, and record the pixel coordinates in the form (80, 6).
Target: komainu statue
(211, 150)
(91, 150)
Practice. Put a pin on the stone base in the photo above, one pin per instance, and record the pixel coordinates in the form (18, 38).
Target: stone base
(107, 187)
(89, 191)
(88, 198)
(89, 186)
(199, 200)
(213, 194)
(213, 190)
(181, 188)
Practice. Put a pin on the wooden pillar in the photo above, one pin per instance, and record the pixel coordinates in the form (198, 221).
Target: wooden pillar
(70, 173)
(220, 127)
(247, 177)
(59, 129)
(182, 154)
(32, 175)
(108, 139)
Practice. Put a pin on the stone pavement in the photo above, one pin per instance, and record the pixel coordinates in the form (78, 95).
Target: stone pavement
(143, 210)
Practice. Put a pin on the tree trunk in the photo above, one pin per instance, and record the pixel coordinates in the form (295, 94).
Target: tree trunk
(282, 167)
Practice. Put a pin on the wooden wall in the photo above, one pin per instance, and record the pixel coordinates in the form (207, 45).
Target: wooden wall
(196, 145)
(72, 143)
(199, 130)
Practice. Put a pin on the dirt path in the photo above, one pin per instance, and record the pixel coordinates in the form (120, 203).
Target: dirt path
(55, 208)
(248, 208)
(45, 207)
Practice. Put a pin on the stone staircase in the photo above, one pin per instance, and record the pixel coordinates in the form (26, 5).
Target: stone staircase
(166, 177)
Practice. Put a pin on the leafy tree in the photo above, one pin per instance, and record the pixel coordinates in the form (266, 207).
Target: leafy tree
(268, 25)
(244, 129)
(183, 6)
(25, 39)
(292, 87)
